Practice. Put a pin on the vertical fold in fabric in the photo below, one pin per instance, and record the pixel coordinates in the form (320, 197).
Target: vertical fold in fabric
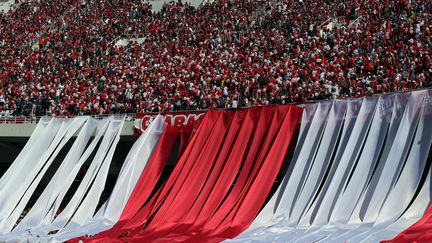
(218, 185)
(366, 181)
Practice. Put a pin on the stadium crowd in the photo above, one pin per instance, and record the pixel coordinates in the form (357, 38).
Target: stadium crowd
(60, 56)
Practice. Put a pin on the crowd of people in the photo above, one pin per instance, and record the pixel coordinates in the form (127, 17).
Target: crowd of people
(62, 57)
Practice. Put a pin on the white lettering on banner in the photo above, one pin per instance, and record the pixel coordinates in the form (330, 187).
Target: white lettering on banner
(171, 119)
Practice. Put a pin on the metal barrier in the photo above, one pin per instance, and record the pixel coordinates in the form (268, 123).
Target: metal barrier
(5, 118)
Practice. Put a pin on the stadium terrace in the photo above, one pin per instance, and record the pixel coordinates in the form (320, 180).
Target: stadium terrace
(63, 58)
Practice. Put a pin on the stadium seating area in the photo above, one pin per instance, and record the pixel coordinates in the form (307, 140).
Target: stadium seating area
(60, 57)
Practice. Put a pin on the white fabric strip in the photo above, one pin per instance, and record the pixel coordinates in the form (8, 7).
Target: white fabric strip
(23, 190)
(109, 137)
(34, 148)
(87, 207)
(374, 150)
(44, 204)
(68, 177)
(37, 223)
(132, 168)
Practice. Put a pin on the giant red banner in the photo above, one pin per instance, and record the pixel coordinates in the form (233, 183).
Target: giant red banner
(217, 186)
(182, 118)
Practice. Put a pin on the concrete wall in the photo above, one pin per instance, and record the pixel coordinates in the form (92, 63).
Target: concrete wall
(157, 4)
(25, 130)
(5, 5)
(13, 138)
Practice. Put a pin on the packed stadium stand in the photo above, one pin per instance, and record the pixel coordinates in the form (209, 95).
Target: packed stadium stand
(60, 57)
(345, 170)
(215, 120)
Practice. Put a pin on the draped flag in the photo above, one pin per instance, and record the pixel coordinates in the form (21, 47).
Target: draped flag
(357, 170)
(45, 220)
(49, 138)
(359, 173)
(134, 164)
(220, 182)
(418, 232)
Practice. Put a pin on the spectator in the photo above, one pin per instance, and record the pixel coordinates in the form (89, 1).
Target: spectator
(60, 57)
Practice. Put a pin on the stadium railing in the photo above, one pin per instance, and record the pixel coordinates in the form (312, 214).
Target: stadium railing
(4, 119)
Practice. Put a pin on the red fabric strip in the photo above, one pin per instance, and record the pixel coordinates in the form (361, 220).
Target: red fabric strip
(219, 184)
(421, 231)
(153, 170)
